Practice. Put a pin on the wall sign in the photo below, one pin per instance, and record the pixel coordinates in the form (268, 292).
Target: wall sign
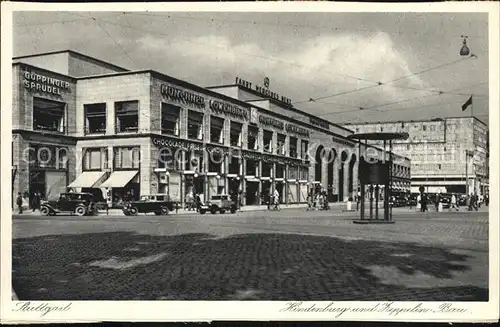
(297, 130)
(319, 122)
(177, 144)
(37, 82)
(228, 109)
(269, 121)
(182, 96)
(264, 91)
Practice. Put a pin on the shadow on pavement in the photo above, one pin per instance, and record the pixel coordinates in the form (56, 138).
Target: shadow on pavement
(129, 266)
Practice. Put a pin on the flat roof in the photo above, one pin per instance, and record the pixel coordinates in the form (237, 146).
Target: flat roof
(77, 54)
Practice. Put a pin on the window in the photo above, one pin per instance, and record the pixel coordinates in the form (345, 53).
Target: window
(195, 125)
(252, 167)
(216, 130)
(48, 115)
(293, 147)
(216, 160)
(281, 144)
(95, 118)
(266, 169)
(280, 171)
(127, 116)
(293, 172)
(234, 165)
(126, 157)
(268, 141)
(47, 156)
(304, 173)
(439, 166)
(304, 148)
(170, 119)
(95, 158)
(253, 133)
(235, 134)
(170, 159)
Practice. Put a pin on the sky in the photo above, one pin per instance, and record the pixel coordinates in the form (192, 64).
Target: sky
(355, 67)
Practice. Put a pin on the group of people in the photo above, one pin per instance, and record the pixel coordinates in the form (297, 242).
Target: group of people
(36, 200)
(273, 202)
(317, 201)
(473, 201)
(193, 201)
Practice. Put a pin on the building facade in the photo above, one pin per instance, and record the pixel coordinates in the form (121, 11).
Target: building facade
(84, 124)
(444, 153)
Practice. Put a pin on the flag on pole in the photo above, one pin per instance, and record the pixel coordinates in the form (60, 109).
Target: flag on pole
(467, 103)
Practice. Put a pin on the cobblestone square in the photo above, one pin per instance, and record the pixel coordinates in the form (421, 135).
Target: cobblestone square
(286, 255)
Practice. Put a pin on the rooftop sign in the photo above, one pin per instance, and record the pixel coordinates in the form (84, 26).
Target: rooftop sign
(264, 90)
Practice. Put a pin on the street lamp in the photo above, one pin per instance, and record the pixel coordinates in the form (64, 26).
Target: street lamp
(468, 153)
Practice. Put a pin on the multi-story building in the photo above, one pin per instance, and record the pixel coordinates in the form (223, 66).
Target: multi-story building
(444, 152)
(85, 124)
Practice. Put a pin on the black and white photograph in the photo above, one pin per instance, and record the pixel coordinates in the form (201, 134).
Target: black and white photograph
(307, 158)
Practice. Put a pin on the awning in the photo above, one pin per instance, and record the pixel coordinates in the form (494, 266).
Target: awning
(88, 179)
(119, 178)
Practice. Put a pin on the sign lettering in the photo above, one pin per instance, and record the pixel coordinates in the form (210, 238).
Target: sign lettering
(182, 96)
(37, 82)
(297, 130)
(264, 120)
(177, 144)
(264, 91)
(318, 122)
(228, 109)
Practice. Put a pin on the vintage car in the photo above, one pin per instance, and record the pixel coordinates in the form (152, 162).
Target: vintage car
(80, 204)
(218, 203)
(398, 200)
(159, 204)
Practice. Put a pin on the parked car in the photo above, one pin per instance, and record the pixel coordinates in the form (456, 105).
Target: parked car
(218, 203)
(398, 200)
(413, 199)
(159, 204)
(446, 200)
(80, 204)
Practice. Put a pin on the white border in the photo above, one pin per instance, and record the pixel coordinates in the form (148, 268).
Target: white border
(254, 310)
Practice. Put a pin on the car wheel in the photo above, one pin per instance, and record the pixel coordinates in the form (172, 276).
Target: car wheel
(45, 211)
(80, 211)
(233, 210)
(202, 212)
(213, 210)
(164, 210)
(125, 212)
(133, 211)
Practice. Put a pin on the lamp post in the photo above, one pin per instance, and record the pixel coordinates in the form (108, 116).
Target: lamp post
(467, 154)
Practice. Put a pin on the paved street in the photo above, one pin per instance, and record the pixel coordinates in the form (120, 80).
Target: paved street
(261, 255)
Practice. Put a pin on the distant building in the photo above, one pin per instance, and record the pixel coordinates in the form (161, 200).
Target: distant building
(437, 149)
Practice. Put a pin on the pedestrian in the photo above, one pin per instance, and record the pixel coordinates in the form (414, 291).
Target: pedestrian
(197, 202)
(487, 199)
(19, 202)
(424, 202)
(436, 201)
(475, 202)
(35, 203)
(276, 198)
(453, 203)
(419, 202)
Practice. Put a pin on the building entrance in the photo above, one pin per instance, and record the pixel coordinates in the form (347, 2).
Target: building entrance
(252, 188)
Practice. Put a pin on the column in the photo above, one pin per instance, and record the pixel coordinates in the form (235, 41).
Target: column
(346, 180)
(183, 179)
(273, 177)
(335, 190)
(225, 171)
(110, 118)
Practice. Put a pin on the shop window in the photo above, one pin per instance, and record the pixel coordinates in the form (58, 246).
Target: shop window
(234, 165)
(235, 134)
(216, 130)
(216, 160)
(127, 116)
(195, 125)
(47, 156)
(253, 133)
(293, 147)
(95, 118)
(48, 115)
(170, 159)
(170, 119)
(95, 158)
(252, 168)
(281, 144)
(280, 171)
(304, 148)
(304, 173)
(293, 172)
(126, 157)
(268, 141)
(266, 169)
